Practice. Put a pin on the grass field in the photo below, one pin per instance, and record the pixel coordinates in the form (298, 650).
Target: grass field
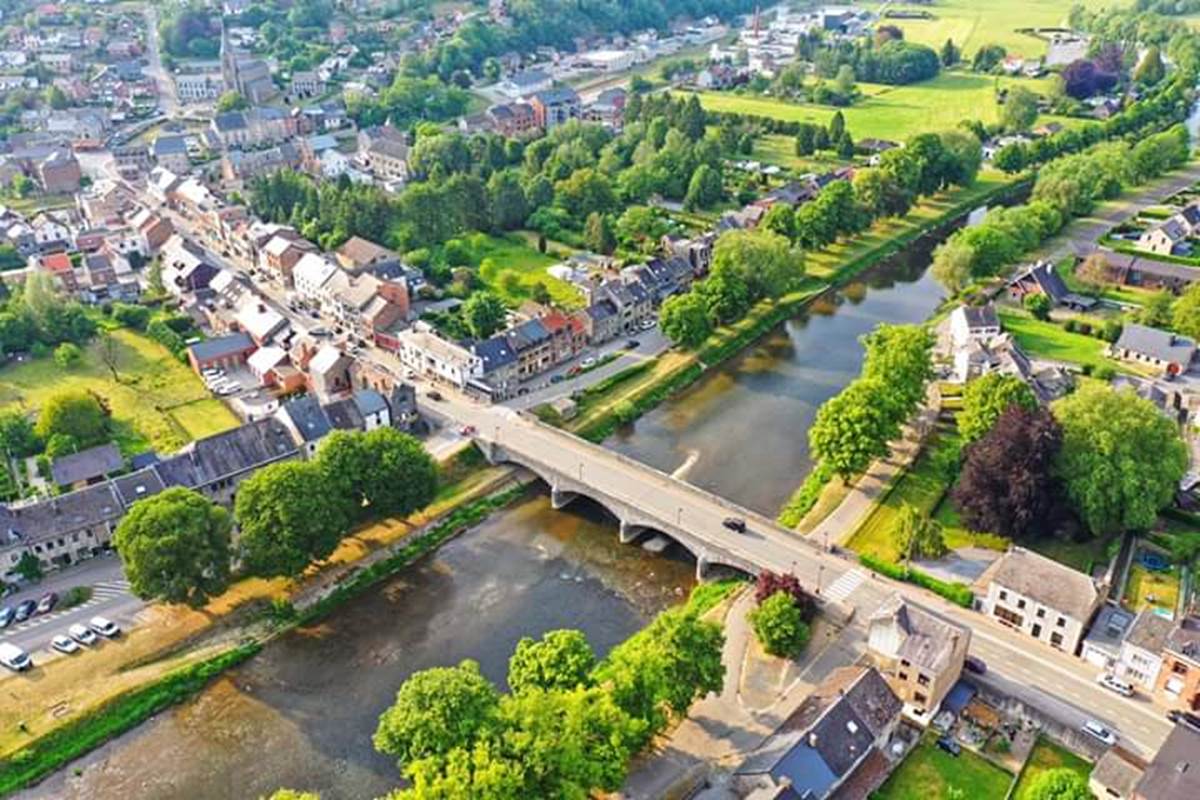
(1047, 340)
(975, 23)
(158, 402)
(499, 254)
(889, 112)
(775, 148)
(928, 773)
(1147, 589)
(1046, 756)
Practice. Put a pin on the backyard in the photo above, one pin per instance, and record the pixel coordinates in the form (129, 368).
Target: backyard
(156, 402)
(890, 112)
(1050, 341)
(1046, 756)
(1157, 589)
(928, 772)
(497, 255)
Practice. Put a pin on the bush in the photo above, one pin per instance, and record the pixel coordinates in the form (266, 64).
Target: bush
(1104, 372)
(806, 496)
(131, 316)
(779, 625)
(1070, 325)
(957, 593)
(1038, 305)
(76, 596)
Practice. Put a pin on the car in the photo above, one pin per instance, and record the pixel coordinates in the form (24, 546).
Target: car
(212, 372)
(469, 430)
(64, 644)
(1093, 728)
(1184, 718)
(435, 396)
(105, 627)
(587, 363)
(6, 616)
(573, 371)
(314, 314)
(975, 664)
(647, 324)
(48, 601)
(25, 610)
(228, 390)
(557, 378)
(632, 344)
(950, 746)
(736, 524)
(1113, 683)
(411, 374)
(82, 634)
(14, 657)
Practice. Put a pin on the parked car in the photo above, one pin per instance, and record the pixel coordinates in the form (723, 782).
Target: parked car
(435, 396)
(64, 644)
(81, 634)
(632, 344)
(1184, 718)
(735, 524)
(587, 363)
(1113, 683)
(975, 664)
(14, 657)
(6, 616)
(573, 371)
(25, 610)
(557, 378)
(104, 626)
(48, 601)
(647, 324)
(1094, 728)
(468, 430)
(950, 746)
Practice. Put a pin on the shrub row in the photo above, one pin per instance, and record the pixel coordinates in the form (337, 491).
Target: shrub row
(627, 411)
(804, 498)
(958, 593)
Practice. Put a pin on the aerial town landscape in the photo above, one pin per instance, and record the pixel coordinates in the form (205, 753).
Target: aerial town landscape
(714, 399)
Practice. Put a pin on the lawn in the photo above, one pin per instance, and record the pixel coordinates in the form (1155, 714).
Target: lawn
(1130, 295)
(889, 112)
(157, 402)
(1050, 341)
(1147, 589)
(1046, 756)
(778, 149)
(499, 254)
(928, 773)
(975, 23)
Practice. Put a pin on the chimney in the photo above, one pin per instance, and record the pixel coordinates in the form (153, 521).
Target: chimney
(812, 740)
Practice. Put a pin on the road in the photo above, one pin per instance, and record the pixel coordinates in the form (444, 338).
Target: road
(168, 103)
(1063, 681)
(110, 598)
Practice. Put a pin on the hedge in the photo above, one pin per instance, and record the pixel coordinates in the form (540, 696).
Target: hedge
(804, 498)
(958, 593)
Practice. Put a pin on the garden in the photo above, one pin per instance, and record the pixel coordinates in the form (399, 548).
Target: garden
(929, 772)
(1047, 756)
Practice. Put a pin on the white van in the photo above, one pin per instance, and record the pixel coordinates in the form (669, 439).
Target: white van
(14, 657)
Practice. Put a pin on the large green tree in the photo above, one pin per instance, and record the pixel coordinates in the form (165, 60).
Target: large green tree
(917, 535)
(683, 318)
(1061, 783)
(764, 261)
(484, 314)
(560, 660)
(175, 546)
(986, 398)
(289, 518)
(1020, 109)
(383, 472)
(1185, 312)
(853, 428)
(779, 625)
(77, 414)
(1121, 460)
(901, 357)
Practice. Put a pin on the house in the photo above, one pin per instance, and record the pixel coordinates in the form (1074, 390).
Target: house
(1048, 601)
(499, 368)
(919, 653)
(603, 322)
(512, 120)
(151, 230)
(171, 152)
(215, 465)
(262, 322)
(1179, 679)
(224, 352)
(1169, 353)
(132, 159)
(974, 324)
(185, 268)
(839, 729)
(358, 255)
(282, 253)
(523, 84)
(554, 107)
(1041, 278)
(98, 279)
(1174, 773)
(1141, 657)
(329, 372)
(59, 530)
(431, 356)
(1104, 640)
(307, 83)
(364, 410)
(310, 275)
(1128, 269)
(87, 466)
(272, 367)
(1116, 774)
(304, 417)
(631, 300)
(383, 150)
(59, 173)
(1165, 238)
(534, 348)
(198, 86)
(716, 76)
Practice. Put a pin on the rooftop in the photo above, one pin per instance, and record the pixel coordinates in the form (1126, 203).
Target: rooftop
(86, 465)
(1047, 582)
(1161, 345)
(222, 346)
(1174, 774)
(905, 630)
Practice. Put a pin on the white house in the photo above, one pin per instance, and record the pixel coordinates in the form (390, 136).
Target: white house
(1141, 657)
(973, 324)
(310, 275)
(426, 353)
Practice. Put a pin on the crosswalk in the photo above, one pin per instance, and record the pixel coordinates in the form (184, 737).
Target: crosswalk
(840, 589)
(101, 592)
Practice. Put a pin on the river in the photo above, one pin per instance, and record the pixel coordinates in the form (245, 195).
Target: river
(301, 714)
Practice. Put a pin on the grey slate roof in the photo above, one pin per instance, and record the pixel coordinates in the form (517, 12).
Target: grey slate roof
(369, 401)
(981, 316)
(230, 121)
(1174, 774)
(308, 417)
(86, 465)
(530, 333)
(136, 485)
(1162, 345)
(344, 415)
(222, 346)
(170, 146)
(1115, 770)
(1047, 582)
(1184, 638)
(230, 453)
(557, 96)
(927, 640)
(496, 353)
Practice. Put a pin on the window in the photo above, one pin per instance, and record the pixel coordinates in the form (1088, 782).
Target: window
(1041, 612)
(1062, 622)
(1056, 639)
(1009, 617)
(923, 679)
(904, 662)
(919, 698)
(1179, 668)
(1003, 595)
(903, 676)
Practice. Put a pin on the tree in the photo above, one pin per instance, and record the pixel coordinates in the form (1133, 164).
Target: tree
(704, 189)
(598, 233)
(1006, 483)
(950, 54)
(109, 352)
(853, 427)
(1121, 460)
(1156, 310)
(436, 711)
(843, 84)
(901, 357)
(1038, 305)
(1020, 109)
(837, 126)
(916, 535)
(769, 583)
(641, 228)
(1093, 272)
(231, 101)
(952, 263)
(484, 314)
(683, 318)
(1060, 783)
(29, 567)
(17, 436)
(1011, 158)
(287, 519)
(61, 444)
(67, 355)
(79, 415)
(764, 261)
(779, 625)
(175, 546)
(561, 661)
(986, 398)
(1150, 69)
(1185, 312)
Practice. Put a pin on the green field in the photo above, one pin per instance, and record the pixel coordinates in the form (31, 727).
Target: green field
(1048, 340)
(928, 773)
(889, 112)
(158, 402)
(1046, 756)
(775, 148)
(499, 254)
(975, 23)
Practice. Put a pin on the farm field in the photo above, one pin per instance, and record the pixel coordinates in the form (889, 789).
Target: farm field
(889, 112)
(975, 23)
(157, 402)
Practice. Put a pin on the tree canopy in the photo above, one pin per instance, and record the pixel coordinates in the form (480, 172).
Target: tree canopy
(560, 660)
(77, 414)
(986, 398)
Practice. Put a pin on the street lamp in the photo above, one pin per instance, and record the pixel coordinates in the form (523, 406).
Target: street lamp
(820, 573)
(679, 515)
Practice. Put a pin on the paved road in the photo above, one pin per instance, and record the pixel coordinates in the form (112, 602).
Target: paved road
(1062, 680)
(167, 100)
(110, 598)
